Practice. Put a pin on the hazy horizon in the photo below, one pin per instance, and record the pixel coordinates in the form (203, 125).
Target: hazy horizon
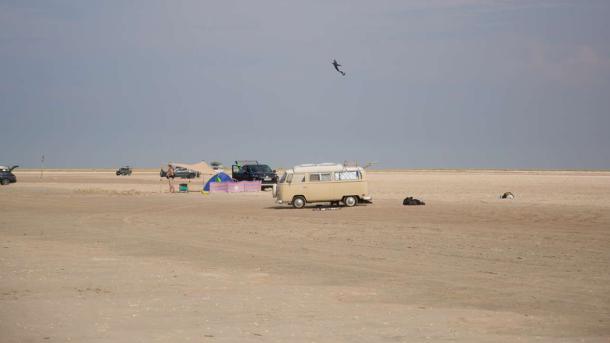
(429, 84)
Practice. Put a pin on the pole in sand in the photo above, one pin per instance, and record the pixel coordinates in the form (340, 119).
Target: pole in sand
(41, 165)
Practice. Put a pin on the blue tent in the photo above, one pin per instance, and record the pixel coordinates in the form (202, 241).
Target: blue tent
(220, 177)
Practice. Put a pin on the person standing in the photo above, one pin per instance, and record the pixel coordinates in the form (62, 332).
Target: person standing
(171, 173)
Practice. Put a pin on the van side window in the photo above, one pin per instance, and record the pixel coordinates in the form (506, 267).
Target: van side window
(347, 175)
(288, 178)
(319, 177)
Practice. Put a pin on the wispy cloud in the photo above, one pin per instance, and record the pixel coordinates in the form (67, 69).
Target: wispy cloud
(487, 5)
(575, 65)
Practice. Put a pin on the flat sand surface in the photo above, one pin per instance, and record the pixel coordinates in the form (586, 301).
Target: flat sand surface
(93, 257)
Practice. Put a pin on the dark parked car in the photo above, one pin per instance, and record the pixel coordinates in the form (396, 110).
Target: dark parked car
(124, 171)
(7, 176)
(253, 171)
(182, 173)
(185, 173)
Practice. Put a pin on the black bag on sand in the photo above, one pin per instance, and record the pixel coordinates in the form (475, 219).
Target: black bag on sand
(410, 201)
(507, 195)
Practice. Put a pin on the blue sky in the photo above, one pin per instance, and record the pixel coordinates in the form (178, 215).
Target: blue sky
(429, 84)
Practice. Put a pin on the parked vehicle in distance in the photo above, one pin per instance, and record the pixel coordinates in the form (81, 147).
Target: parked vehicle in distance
(181, 172)
(216, 165)
(254, 171)
(124, 171)
(7, 176)
(185, 173)
(325, 182)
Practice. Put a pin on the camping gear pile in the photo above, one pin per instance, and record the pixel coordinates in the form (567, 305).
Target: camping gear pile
(410, 201)
(507, 195)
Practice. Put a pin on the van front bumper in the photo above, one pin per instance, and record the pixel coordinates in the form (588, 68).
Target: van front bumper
(279, 201)
(367, 198)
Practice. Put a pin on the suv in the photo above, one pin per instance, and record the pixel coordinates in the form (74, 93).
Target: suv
(123, 171)
(7, 176)
(254, 171)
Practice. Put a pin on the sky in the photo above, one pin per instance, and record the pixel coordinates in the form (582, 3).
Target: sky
(428, 84)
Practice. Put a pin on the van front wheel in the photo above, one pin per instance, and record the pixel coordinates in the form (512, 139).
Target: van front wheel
(350, 201)
(298, 202)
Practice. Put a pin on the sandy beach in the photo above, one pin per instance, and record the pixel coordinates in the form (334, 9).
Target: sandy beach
(87, 256)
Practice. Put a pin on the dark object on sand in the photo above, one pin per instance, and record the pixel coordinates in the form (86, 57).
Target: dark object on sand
(507, 195)
(410, 201)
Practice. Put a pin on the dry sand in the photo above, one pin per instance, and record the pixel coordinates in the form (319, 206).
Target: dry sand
(92, 257)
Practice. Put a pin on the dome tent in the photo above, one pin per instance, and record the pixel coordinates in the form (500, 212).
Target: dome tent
(220, 177)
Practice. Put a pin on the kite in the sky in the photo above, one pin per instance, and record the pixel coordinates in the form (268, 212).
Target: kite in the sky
(337, 65)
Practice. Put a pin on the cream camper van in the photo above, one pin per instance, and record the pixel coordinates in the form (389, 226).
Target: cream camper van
(326, 182)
